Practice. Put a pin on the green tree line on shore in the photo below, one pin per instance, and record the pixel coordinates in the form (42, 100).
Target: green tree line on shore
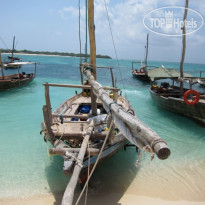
(52, 53)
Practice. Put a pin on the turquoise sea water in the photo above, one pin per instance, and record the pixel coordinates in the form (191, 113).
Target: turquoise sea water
(27, 170)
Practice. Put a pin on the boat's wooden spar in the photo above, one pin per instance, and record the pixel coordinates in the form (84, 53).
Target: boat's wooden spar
(131, 127)
(69, 192)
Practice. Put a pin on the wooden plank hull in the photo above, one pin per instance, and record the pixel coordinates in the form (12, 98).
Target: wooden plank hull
(73, 131)
(110, 151)
(141, 76)
(13, 81)
(177, 105)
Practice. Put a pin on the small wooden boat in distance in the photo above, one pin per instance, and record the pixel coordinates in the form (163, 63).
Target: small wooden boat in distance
(12, 61)
(16, 80)
(140, 69)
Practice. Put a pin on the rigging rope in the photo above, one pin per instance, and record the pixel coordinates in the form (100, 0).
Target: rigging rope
(79, 30)
(118, 64)
(86, 192)
(5, 44)
(86, 30)
(96, 162)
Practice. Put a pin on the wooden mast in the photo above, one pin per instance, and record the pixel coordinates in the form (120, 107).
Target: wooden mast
(12, 54)
(146, 50)
(92, 51)
(184, 46)
(134, 130)
(2, 68)
(92, 35)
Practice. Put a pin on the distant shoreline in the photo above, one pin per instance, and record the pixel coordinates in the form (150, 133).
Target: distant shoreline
(47, 53)
(33, 54)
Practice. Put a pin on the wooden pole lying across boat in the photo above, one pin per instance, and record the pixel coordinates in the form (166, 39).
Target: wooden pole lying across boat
(131, 127)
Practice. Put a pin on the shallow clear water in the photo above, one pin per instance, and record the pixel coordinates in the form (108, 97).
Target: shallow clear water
(27, 170)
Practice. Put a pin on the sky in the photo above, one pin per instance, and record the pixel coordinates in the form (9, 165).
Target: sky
(53, 25)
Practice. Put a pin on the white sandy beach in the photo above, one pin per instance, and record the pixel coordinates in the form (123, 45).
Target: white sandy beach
(109, 199)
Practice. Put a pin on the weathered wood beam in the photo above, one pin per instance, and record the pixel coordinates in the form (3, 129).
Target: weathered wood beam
(48, 102)
(69, 192)
(77, 135)
(91, 26)
(2, 68)
(62, 151)
(47, 123)
(183, 45)
(132, 128)
(78, 86)
(72, 116)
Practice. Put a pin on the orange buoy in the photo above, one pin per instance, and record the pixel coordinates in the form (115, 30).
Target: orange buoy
(192, 101)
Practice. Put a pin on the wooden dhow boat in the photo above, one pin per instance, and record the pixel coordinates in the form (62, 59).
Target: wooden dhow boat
(94, 124)
(16, 80)
(140, 69)
(178, 99)
(12, 61)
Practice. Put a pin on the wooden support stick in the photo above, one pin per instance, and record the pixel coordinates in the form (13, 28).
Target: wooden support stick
(69, 192)
(47, 122)
(77, 135)
(78, 86)
(2, 68)
(72, 116)
(48, 102)
(62, 151)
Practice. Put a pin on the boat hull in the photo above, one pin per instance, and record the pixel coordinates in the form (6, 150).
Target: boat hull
(13, 81)
(177, 105)
(141, 76)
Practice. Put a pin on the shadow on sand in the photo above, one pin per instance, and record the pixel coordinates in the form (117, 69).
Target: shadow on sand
(108, 183)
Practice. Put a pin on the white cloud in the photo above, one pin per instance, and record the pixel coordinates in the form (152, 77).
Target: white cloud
(68, 10)
(126, 19)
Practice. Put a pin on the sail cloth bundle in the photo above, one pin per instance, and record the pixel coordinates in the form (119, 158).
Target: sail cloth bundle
(132, 128)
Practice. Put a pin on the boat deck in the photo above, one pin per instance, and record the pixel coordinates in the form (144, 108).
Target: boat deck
(68, 121)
